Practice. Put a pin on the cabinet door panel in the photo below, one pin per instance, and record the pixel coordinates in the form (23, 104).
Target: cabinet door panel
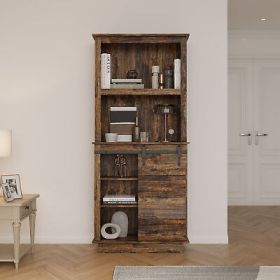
(162, 164)
(162, 209)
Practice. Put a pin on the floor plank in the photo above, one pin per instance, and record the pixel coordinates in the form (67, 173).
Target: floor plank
(254, 239)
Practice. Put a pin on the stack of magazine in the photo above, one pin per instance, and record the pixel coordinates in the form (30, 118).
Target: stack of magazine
(119, 199)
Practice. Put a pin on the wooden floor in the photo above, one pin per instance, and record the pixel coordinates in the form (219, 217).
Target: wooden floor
(254, 234)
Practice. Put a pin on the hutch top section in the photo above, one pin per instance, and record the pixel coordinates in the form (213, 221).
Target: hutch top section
(141, 52)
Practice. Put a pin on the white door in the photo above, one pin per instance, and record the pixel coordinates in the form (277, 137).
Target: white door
(254, 132)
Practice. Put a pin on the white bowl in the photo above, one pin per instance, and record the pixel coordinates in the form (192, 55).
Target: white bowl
(111, 137)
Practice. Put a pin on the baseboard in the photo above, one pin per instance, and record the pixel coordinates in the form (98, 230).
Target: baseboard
(50, 239)
(206, 239)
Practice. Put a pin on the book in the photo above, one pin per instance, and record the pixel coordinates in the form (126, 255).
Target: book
(124, 81)
(177, 73)
(122, 128)
(122, 202)
(119, 198)
(123, 108)
(105, 70)
(129, 86)
(123, 115)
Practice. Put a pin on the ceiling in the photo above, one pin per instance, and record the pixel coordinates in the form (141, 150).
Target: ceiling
(247, 14)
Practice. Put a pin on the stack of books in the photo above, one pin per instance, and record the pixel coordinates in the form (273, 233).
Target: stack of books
(122, 122)
(127, 83)
(119, 199)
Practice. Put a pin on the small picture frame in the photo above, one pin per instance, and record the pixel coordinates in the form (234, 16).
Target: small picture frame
(14, 184)
(7, 193)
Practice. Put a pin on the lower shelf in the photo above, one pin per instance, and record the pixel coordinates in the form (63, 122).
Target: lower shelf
(129, 238)
(134, 246)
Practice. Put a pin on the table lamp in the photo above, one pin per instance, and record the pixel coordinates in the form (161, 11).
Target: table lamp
(5, 145)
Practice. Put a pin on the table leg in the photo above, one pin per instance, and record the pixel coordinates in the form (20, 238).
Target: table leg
(16, 230)
(32, 218)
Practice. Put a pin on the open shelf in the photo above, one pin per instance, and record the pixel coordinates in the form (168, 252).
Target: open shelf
(134, 205)
(146, 91)
(129, 238)
(119, 178)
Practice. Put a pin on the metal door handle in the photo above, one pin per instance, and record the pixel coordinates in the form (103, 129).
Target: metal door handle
(257, 135)
(245, 134)
(249, 135)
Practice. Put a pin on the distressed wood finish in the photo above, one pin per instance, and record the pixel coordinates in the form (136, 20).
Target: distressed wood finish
(156, 171)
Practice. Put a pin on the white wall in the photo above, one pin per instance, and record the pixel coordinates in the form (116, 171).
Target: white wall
(254, 44)
(46, 97)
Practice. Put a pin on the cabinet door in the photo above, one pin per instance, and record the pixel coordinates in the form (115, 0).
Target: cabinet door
(162, 208)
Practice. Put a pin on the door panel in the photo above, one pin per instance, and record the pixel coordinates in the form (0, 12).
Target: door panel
(162, 208)
(266, 120)
(240, 121)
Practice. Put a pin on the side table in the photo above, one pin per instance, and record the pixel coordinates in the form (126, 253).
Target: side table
(15, 211)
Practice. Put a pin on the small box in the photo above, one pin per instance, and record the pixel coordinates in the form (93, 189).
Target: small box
(124, 138)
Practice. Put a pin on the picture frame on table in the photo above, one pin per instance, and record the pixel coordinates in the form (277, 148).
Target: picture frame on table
(13, 182)
(7, 193)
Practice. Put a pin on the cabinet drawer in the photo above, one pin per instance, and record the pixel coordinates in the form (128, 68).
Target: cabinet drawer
(25, 210)
(162, 164)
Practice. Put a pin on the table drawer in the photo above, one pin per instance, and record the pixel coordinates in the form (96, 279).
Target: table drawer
(25, 210)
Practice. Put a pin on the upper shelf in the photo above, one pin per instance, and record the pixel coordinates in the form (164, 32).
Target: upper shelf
(158, 92)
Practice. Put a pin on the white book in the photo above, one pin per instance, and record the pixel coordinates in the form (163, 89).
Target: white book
(122, 197)
(123, 108)
(177, 73)
(128, 81)
(105, 70)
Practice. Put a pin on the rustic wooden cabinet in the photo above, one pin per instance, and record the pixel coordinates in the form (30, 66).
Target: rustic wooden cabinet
(156, 170)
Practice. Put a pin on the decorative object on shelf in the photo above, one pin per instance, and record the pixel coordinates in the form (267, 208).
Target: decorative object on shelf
(165, 110)
(122, 121)
(120, 163)
(116, 231)
(168, 78)
(136, 131)
(14, 184)
(155, 72)
(144, 136)
(132, 74)
(124, 138)
(111, 137)
(120, 218)
(7, 193)
(177, 73)
(105, 70)
(161, 81)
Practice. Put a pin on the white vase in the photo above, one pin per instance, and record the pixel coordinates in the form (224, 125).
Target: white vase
(120, 218)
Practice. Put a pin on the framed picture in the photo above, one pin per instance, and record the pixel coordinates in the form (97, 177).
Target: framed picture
(7, 193)
(14, 184)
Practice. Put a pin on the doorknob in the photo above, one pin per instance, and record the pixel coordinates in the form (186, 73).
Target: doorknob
(249, 135)
(257, 135)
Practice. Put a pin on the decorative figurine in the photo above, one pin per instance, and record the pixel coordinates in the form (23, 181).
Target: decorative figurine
(132, 74)
(120, 162)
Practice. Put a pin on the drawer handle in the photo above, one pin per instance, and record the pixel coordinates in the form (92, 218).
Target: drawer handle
(26, 207)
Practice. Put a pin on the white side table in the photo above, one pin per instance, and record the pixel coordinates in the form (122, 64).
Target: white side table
(15, 211)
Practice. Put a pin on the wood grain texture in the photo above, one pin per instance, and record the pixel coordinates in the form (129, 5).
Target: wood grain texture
(160, 169)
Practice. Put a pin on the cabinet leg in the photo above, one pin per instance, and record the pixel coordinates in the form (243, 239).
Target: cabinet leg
(16, 230)
(32, 218)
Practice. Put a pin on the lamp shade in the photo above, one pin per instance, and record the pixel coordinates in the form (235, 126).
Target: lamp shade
(5, 142)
